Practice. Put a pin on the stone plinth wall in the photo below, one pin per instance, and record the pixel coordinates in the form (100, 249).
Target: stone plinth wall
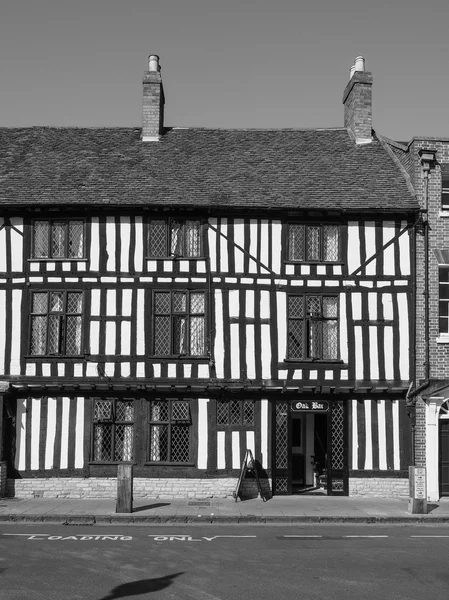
(378, 487)
(106, 487)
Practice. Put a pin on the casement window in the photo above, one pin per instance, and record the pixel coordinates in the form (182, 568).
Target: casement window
(113, 430)
(57, 239)
(312, 327)
(174, 238)
(235, 412)
(313, 243)
(169, 431)
(443, 300)
(56, 323)
(179, 323)
(445, 190)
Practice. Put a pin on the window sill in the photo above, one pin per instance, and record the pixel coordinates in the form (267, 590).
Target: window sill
(443, 339)
(112, 462)
(314, 262)
(444, 213)
(177, 357)
(175, 258)
(169, 464)
(299, 364)
(57, 259)
(55, 357)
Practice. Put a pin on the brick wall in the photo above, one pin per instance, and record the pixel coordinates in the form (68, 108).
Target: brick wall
(438, 239)
(378, 487)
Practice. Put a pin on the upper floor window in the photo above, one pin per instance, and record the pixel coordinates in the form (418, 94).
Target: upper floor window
(312, 327)
(445, 190)
(174, 238)
(170, 430)
(56, 323)
(444, 300)
(113, 434)
(313, 243)
(179, 323)
(58, 239)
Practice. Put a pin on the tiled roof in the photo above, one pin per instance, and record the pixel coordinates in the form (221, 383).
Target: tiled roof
(199, 167)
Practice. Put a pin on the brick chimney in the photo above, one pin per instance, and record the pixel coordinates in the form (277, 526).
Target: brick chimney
(153, 101)
(357, 100)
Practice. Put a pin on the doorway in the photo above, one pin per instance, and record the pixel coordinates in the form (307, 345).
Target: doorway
(308, 452)
(444, 456)
(309, 447)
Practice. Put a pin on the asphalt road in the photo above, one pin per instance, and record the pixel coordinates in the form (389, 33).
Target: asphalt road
(398, 562)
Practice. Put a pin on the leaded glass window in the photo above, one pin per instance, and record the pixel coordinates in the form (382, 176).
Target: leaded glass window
(56, 323)
(58, 239)
(113, 430)
(174, 238)
(179, 323)
(313, 243)
(312, 327)
(170, 430)
(235, 412)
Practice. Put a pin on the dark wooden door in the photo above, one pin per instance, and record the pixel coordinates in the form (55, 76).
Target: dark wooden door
(444, 457)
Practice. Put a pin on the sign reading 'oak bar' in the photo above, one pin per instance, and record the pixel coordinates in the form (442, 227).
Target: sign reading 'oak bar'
(310, 406)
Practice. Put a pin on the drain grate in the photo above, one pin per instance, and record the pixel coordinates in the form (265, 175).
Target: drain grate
(198, 503)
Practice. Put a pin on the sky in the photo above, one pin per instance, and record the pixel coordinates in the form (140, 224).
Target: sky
(225, 63)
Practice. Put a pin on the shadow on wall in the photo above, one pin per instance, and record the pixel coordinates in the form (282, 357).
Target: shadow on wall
(143, 586)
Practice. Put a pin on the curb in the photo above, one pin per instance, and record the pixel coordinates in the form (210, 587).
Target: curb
(129, 519)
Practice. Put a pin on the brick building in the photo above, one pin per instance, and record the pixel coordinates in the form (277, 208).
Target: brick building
(426, 160)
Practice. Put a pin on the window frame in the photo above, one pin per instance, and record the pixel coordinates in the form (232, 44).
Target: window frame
(66, 256)
(306, 319)
(241, 424)
(63, 323)
(168, 254)
(443, 301)
(307, 225)
(114, 422)
(169, 423)
(172, 316)
(445, 190)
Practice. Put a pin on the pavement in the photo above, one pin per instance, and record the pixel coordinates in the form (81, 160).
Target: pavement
(279, 509)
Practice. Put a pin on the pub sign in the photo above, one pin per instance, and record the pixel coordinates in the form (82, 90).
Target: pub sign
(309, 406)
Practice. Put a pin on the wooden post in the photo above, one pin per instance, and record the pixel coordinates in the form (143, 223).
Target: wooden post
(124, 489)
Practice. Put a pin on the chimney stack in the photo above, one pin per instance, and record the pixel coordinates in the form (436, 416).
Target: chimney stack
(153, 101)
(357, 101)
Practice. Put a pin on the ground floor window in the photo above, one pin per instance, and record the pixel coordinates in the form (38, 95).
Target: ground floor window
(113, 433)
(170, 431)
(235, 412)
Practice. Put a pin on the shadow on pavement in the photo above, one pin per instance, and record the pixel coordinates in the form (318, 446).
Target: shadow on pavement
(143, 586)
(149, 506)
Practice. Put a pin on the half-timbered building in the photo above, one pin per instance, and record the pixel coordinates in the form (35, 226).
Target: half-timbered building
(170, 298)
